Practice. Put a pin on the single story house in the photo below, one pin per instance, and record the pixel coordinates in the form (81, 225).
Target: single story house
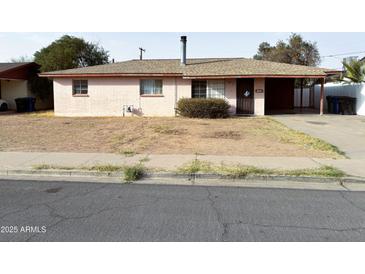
(14, 83)
(152, 87)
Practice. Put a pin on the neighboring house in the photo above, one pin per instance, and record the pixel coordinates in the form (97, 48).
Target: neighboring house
(152, 87)
(14, 82)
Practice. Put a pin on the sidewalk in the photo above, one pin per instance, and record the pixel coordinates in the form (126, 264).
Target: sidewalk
(27, 160)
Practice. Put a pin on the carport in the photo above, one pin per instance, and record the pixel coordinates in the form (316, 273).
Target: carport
(14, 81)
(277, 88)
(280, 95)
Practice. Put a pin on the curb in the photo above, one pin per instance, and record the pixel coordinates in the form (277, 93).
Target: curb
(171, 175)
(71, 173)
(260, 177)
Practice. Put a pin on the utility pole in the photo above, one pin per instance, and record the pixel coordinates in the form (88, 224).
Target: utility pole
(141, 50)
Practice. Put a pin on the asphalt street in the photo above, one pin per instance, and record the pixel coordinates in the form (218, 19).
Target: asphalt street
(81, 211)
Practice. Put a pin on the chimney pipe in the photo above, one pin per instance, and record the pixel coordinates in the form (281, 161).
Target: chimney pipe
(183, 50)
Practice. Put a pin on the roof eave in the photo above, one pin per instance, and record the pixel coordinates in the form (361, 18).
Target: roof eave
(333, 72)
(98, 75)
(253, 76)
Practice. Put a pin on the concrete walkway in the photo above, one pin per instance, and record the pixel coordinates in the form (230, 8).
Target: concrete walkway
(27, 161)
(347, 132)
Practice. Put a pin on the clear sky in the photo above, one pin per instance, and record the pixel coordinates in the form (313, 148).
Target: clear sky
(124, 46)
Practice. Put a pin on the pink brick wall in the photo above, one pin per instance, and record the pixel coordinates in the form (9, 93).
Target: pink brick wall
(106, 97)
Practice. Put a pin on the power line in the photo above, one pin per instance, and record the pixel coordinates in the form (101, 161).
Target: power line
(342, 54)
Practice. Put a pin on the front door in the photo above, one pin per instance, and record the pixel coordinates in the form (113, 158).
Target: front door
(245, 100)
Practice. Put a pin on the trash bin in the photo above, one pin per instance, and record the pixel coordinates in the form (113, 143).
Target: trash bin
(329, 104)
(25, 104)
(352, 106)
(336, 104)
(31, 104)
(347, 105)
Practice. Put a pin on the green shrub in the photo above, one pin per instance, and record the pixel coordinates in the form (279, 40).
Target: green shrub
(133, 173)
(203, 108)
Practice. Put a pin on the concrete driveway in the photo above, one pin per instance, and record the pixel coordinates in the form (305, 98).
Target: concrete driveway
(344, 131)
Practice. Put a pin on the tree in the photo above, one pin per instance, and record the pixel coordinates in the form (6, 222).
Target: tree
(296, 51)
(70, 52)
(40, 87)
(354, 71)
(22, 59)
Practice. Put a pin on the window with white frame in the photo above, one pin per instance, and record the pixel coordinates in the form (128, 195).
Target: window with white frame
(208, 89)
(79, 87)
(215, 89)
(150, 87)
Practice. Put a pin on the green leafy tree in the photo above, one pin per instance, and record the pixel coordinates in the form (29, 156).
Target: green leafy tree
(296, 51)
(40, 87)
(70, 52)
(354, 71)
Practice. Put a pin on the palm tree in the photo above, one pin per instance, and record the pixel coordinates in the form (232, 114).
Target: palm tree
(354, 72)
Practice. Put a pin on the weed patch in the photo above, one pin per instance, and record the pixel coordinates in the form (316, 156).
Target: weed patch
(323, 171)
(129, 153)
(105, 168)
(240, 171)
(48, 167)
(134, 173)
(168, 130)
(195, 167)
(229, 134)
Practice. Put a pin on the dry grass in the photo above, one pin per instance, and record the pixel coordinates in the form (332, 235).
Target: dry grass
(98, 168)
(45, 113)
(234, 136)
(136, 172)
(131, 173)
(240, 171)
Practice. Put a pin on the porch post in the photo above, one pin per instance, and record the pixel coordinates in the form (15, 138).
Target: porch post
(321, 97)
(301, 92)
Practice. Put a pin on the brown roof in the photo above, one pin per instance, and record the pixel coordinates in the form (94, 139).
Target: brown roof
(8, 66)
(195, 68)
(16, 70)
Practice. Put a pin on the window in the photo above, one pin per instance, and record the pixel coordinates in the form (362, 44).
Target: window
(151, 87)
(208, 89)
(199, 89)
(215, 89)
(79, 87)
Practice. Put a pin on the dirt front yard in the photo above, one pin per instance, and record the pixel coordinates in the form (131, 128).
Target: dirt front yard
(233, 136)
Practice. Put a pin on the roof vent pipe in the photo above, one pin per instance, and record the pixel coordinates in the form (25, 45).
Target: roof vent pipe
(183, 50)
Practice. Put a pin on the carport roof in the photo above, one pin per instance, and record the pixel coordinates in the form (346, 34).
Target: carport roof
(9, 66)
(15, 70)
(196, 68)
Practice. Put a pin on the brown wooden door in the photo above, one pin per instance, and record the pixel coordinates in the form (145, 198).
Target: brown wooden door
(245, 100)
